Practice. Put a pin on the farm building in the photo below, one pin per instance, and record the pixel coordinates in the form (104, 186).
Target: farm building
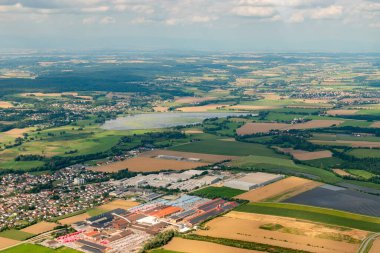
(253, 180)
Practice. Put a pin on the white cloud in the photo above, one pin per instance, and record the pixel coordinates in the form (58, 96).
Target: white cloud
(253, 11)
(297, 17)
(102, 8)
(107, 20)
(202, 19)
(333, 11)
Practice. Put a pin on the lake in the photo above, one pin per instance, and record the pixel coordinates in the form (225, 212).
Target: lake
(161, 120)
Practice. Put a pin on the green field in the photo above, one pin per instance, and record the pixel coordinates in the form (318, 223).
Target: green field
(233, 148)
(364, 152)
(16, 234)
(33, 248)
(217, 192)
(361, 173)
(316, 214)
(272, 164)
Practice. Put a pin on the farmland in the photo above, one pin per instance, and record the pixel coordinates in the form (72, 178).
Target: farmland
(16, 234)
(192, 246)
(339, 199)
(145, 164)
(32, 248)
(291, 233)
(40, 228)
(219, 147)
(279, 190)
(217, 192)
(254, 128)
(316, 214)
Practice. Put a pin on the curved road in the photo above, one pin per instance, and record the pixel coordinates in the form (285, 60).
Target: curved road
(367, 243)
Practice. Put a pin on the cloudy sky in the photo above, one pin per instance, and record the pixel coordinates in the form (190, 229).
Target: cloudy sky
(241, 25)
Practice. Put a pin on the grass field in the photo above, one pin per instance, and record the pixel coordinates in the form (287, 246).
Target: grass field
(219, 147)
(33, 248)
(218, 192)
(362, 173)
(16, 234)
(363, 153)
(316, 214)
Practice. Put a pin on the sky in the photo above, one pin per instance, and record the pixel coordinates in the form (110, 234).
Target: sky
(210, 25)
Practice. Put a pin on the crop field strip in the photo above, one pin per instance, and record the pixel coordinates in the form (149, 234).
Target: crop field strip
(339, 199)
(316, 214)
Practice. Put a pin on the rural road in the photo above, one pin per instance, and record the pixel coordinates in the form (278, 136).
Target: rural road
(367, 243)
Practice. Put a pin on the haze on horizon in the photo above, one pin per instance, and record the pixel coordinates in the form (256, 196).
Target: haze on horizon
(261, 25)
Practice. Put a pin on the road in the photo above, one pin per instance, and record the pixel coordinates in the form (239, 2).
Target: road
(366, 243)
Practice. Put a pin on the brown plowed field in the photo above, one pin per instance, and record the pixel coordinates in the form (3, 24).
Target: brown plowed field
(192, 246)
(5, 243)
(280, 190)
(5, 105)
(143, 164)
(375, 246)
(203, 157)
(376, 124)
(253, 128)
(295, 234)
(305, 155)
(40, 227)
(74, 219)
(119, 203)
(341, 112)
(342, 173)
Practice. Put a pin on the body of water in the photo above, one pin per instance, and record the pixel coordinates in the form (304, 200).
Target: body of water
(161, 120)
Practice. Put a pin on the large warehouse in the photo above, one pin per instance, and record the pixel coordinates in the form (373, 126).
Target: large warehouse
(253, 180)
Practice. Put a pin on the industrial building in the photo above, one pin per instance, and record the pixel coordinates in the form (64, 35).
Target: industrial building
(253, 180)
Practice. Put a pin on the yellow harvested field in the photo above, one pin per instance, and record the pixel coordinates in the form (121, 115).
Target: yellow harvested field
(295, 234)
(17, 132)
(40, 227)
(341, 112)
(192, 100)
(74, 219)
(160, 108)
(143, 164)
(192, 246)
(203, 157)
(280, 190)
(193, 131)
(119, 203)
(252, 107)
(355, 144)
(305, 155)
(6, 243)
(5, 105)
(271, 96)
(253, 128)
(202, 108)
(342, 173)
(375, 246)
(376, 124)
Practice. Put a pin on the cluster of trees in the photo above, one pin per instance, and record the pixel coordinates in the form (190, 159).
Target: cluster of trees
(160, 240)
